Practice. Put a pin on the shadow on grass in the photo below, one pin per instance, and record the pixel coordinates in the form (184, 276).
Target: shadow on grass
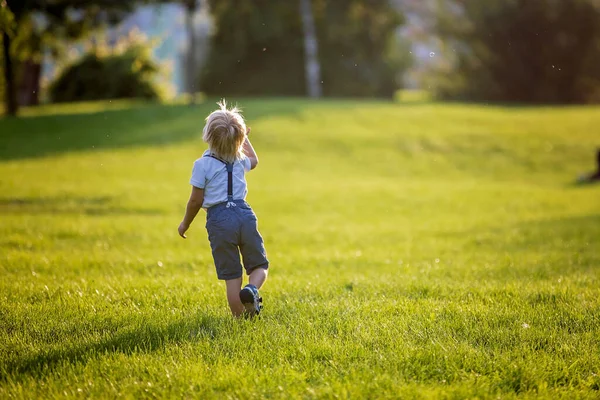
(58, 129)
(143, 124)
(583, 183)
(144, 339)
(103, 205)
(513, 105)
(44, 135)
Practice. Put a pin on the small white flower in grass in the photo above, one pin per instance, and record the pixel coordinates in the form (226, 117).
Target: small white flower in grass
(525, 325)
(432, 54)
(437, 260)
(160, 264)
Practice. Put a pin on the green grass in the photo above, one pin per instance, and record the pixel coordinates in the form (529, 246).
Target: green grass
(418, 250)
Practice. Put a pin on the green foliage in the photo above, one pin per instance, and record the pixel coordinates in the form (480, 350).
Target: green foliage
(48, 27)
(258, 48)
(417, 251)
(522, 51)
(128, 74)
(7, 20)
(358, 48)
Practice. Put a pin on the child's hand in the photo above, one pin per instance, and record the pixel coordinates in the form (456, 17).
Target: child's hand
(182, 229)
(248, 129)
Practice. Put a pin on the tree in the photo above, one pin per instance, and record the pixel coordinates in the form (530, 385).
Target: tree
(360, 49)
(521, 50)
(8, 23)
(258, 48)
(312, 67)
(191, 68)
(65, 20)
(255, 50)
(10, 90)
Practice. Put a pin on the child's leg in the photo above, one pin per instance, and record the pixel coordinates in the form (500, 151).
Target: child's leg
(233, 296)
(258, 277)
(253, 250)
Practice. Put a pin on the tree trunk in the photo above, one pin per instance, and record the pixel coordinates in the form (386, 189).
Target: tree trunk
(190, 69)
(29, 89)
(10, 95)
(35, 84)
(312, 68)
(31, 79)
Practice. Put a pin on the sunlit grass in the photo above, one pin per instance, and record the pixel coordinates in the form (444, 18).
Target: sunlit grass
(412, 96)
(81, 108)
(417, 250)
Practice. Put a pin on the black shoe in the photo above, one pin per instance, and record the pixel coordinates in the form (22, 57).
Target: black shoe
(251, 300)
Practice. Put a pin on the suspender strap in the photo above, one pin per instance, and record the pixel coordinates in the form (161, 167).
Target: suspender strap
(229, 181)
(229, 167)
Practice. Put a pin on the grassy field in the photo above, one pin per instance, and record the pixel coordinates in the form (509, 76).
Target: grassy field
(418, 251)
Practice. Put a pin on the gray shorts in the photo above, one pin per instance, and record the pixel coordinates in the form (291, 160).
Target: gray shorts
(232, 231)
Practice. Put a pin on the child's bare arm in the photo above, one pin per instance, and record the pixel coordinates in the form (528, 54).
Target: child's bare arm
(193, 206)
(250, 152)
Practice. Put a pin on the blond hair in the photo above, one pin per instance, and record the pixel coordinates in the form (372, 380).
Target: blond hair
(225, 132)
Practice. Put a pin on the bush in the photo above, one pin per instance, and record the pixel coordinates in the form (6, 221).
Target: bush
(128, 74)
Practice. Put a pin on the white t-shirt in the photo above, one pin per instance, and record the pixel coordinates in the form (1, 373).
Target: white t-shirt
(211, 175)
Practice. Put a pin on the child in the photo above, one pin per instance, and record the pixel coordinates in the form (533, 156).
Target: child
(219, 186)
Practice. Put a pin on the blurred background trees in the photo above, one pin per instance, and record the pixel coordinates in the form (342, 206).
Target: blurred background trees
(40, 26)
(543, 51)
(312, 65)
(258, 48)
(360, 51)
